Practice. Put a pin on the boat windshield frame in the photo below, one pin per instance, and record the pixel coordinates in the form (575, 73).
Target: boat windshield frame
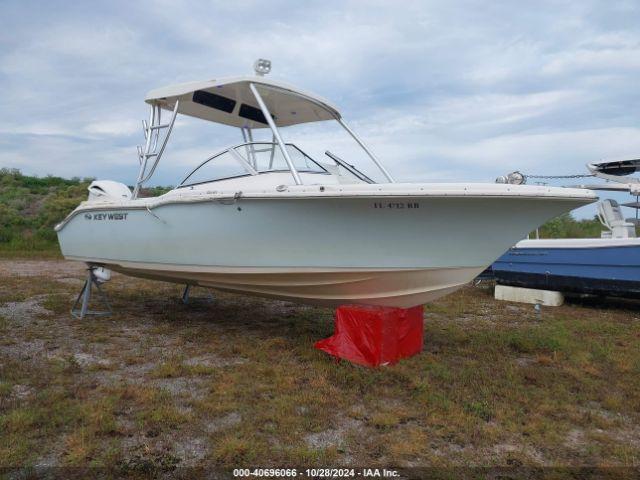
(149, 155)
(250, 169)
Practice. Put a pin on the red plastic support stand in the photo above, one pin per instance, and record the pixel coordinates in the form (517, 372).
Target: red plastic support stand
(374, 336)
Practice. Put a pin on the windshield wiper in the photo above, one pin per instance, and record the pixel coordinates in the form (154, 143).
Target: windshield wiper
(350, 168)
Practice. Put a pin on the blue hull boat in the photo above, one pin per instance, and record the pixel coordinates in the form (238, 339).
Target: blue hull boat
(608, 266)
(600, 266)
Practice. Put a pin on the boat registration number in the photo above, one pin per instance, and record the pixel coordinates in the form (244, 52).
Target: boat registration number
(396, 205)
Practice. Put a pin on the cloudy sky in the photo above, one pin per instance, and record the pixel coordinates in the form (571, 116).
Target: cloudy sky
(441, 90)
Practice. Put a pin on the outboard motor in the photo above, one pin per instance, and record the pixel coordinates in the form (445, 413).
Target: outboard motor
(108, 190)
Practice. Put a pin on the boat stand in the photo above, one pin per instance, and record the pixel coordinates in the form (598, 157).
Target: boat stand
(84, 297)
(185, 294)
(375, 336)
(187, 291)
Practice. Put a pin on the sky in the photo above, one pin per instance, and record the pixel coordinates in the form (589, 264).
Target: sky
(439, 90)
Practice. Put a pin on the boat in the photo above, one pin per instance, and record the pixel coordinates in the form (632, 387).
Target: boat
(263, 218)
(605, 266)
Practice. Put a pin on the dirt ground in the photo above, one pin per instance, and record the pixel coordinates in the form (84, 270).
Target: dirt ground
(234, 381)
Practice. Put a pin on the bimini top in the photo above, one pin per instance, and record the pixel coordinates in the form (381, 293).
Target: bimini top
(230, 101)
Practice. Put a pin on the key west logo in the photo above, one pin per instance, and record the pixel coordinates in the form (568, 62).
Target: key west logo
(106, 216)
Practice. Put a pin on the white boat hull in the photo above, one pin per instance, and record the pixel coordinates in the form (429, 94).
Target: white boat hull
(400, 251)
(398, 288)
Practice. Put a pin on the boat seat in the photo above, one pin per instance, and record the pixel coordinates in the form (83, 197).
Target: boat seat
(610, 215)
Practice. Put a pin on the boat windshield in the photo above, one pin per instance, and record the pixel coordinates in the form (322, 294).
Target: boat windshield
(251, 158)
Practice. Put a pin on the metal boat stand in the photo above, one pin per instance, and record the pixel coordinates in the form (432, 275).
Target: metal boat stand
(185, 294)
(84, 297)
(187, 291)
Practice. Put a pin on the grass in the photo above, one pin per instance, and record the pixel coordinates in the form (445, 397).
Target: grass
(174, 368)
(236, 382)
(48, 251)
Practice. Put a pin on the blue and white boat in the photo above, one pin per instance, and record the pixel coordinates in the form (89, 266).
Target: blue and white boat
(608, 266)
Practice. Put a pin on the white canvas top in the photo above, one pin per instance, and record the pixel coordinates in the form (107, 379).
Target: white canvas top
(230, 101)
